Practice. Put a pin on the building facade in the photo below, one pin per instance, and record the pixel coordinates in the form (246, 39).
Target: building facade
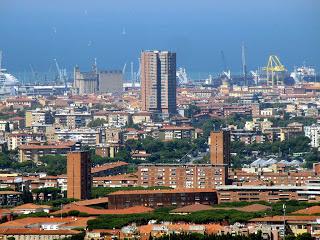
(110, 81)
(220, 147)
(182, 176)
(158, 81)
(79, 175)
(85, 82)
(161, 198)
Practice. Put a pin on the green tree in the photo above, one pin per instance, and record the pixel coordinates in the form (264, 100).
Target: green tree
(99, 122)
(192, 110)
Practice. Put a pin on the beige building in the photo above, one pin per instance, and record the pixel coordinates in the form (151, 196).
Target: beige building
(38, 117)
(33, 152)
(85, 82)
(110, 81)
(158, 81)
(141, 117)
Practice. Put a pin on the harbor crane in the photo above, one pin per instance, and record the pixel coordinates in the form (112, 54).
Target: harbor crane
(34, 75)
(124, 69)
(62, 74)
(275, 70)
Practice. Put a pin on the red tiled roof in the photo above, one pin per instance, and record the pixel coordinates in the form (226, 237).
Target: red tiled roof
(95, 211)
(70, 221)
(31, 206)
(309, 211)
(36, 231)
(108, 166)
(92, 201)
(40, 147)
(192, 208)
(287, 218)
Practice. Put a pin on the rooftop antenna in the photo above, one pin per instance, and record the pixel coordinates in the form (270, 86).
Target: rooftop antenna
(244, 65)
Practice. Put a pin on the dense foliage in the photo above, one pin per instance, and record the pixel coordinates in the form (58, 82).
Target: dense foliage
(161, 152)
(299, 144)
(201, 217)
(97, 192)
(99, 122)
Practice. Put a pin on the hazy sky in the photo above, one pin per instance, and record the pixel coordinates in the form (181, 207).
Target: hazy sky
(115, 31)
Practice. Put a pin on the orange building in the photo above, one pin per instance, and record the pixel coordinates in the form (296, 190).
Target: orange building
(220, 148)
(79, 175)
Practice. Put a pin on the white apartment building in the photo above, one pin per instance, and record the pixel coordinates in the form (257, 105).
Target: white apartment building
(313, 132)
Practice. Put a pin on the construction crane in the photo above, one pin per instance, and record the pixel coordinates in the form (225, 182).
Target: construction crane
(124, 69)
(223, 61)
(62, 74)
(274, 70)
(34, 75)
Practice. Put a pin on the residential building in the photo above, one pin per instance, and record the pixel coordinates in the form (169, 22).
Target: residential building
(108, 150)
(180, 176)
(21, 102)
(87, 136)
(10, 198)
(18, 138)
(118, 119)
(254, 193)
(69, 118)
(38, 117)
(33, 152)
(171, 132)
(141, 117)
(79, 175)
(220, 147)
(313, 132)
(158, 81)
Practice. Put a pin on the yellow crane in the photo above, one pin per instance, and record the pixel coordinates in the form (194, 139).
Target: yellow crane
(275, 71)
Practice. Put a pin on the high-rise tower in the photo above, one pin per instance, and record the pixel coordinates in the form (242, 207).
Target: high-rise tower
(158, 81)
(220, 147)
(79, 175)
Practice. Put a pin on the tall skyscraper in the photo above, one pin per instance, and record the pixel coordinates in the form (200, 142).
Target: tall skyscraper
(79, 175)
(220, 147)
(158, 81)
